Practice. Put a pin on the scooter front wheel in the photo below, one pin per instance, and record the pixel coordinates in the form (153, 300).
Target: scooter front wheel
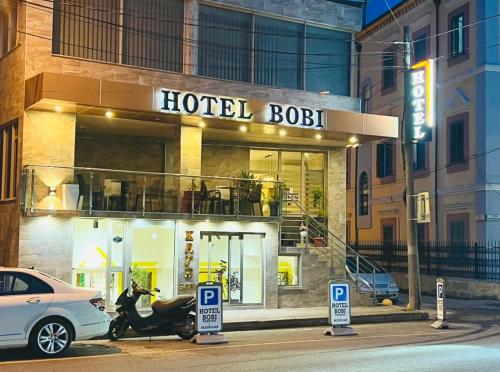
(117, 328)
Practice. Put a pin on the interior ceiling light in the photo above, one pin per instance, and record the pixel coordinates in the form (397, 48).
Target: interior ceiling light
(243, 129)
(58, 109)
(282, 132)
(109, 114)
(318, 136)
(202, 124)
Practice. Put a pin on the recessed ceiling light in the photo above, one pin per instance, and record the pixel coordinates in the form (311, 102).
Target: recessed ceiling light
(58, 109)
(243, 128)
(109, 114)
(202, 124)
(318, 136)
(282, 132)
(353, 140)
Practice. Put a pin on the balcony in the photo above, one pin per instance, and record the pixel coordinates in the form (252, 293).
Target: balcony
(95, 192)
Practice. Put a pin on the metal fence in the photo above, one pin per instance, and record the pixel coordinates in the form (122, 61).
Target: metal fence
(460, 260)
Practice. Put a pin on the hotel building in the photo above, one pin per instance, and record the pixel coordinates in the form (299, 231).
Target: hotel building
(177, 141)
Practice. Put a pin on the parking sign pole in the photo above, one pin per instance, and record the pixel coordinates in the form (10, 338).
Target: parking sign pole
(209, 319)
(340, 309)
(441, 322)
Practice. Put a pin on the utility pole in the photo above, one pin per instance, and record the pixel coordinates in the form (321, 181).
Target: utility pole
(411, 224)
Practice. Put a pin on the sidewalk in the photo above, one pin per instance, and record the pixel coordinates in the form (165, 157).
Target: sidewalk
(254, 319)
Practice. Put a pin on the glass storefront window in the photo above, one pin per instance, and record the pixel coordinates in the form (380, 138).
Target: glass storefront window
(288, 270)
(236, 261)
(153, 257)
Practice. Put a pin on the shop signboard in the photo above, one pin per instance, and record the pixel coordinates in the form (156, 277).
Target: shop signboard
(422, 100)
(209, 308)
(423, 208)
(239, 109)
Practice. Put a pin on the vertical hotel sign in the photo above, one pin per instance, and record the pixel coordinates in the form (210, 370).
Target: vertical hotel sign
(422, 100)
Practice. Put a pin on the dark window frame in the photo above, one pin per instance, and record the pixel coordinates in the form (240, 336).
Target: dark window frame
(393, 55)
(454, 59)
(9, 147)
(423, 32)
(386, 176)
(457, 166)
(421, 172)
(348, 163)
(364, 194)
(388, 222)
(454, 218)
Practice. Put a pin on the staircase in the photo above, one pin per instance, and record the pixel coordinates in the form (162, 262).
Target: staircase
(323, 259)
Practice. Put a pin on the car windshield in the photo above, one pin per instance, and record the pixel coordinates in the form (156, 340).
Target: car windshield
(365, 266)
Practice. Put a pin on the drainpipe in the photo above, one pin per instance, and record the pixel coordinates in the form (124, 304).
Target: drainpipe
(436, 131)
(356, 231)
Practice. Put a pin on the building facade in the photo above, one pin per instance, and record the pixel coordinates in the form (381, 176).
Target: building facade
(457, 167)
(168, 140)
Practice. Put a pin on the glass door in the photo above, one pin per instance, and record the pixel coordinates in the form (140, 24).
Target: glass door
(236, 261)
(291, 174)
(98, 254)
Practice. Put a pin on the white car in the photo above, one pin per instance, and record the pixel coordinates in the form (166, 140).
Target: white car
(47, 314)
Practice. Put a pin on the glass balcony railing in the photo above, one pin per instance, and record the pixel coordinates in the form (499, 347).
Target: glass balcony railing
(93, 191)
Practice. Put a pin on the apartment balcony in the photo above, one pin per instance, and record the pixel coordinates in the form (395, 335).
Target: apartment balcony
(94, 192)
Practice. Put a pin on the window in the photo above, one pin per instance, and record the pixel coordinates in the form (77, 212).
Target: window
(8, 161)
(420, 163)
(457, 142)
(153, 41)
(278, 53)
(458, 227)
(225, 40)
(364, 193)
(366, 96)
(328, 54)
(21, 283)
(421, 44)
(8, 28)
(458, 36)
(348, 238)
(389, 62)
(422, 232)
(385, 160)
(388, 227)
(108, 33)
(289, 270)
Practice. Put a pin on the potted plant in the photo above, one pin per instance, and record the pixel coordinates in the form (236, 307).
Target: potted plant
(247, 185)
(317, 197)
(274, 198)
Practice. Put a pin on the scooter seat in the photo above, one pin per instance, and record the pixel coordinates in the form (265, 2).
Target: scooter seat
(163, 307)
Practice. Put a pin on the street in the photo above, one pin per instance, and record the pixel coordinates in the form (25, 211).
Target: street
(471, 344)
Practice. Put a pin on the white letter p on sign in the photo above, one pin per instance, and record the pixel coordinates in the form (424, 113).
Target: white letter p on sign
(209, 295)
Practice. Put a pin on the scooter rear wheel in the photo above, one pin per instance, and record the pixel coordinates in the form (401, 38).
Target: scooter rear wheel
(188, 330)
(117, 328)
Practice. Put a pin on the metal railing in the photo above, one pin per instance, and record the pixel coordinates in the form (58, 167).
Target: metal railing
(339, 254)
(96, 190)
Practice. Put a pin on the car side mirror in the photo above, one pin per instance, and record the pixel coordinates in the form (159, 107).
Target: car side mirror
(157, 290)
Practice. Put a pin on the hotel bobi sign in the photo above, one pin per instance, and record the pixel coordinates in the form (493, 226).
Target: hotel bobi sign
(217, 107)
(422, 100)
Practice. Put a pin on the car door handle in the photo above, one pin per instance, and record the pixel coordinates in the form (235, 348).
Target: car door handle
(34, 300)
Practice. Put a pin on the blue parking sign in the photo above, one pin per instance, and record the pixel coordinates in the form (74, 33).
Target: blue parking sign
(440, 290)
(339, 292)
(209, 296)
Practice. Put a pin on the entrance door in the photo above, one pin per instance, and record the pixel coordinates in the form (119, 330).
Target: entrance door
(236, 261)
(98, 254)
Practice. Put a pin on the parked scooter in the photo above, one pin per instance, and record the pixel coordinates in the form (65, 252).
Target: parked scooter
(174, 317)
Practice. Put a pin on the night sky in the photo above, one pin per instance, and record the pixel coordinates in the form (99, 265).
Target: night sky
(376, 8)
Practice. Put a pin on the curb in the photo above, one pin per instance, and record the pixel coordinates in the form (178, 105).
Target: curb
(312, 322)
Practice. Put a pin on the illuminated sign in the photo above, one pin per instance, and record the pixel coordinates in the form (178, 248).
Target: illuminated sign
(422, 100)
(217, 107)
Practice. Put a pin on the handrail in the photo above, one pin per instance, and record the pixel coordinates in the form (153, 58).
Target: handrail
(321, 228)
(87, 169)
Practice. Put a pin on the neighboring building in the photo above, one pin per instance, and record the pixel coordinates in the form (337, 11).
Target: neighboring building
(122, 128)
(459, 168)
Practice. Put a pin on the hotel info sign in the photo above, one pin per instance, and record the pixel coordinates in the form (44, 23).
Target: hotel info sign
(238, 109)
